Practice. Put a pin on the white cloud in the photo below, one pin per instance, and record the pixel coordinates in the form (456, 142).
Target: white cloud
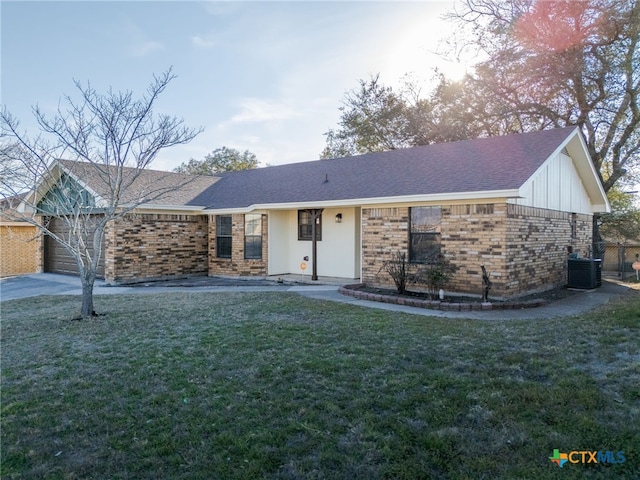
(145, 48)
(218, 8)
(202, 42)
(261, 110)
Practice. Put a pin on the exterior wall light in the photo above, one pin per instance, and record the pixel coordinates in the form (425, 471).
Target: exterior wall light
(339, 218)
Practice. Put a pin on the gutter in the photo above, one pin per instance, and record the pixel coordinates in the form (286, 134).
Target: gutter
(362, 202)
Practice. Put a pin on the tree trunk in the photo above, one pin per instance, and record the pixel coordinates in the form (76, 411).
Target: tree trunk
(598, 244)
(87, 280)
(87, 300)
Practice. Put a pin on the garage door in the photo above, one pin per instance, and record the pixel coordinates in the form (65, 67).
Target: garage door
(57, 259)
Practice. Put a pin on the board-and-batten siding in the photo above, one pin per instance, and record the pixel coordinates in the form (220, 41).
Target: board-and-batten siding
(556, 185)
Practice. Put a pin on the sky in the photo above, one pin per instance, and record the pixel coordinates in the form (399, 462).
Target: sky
(268, 77)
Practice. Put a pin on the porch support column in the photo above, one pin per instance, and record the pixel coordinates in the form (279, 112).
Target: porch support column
(315, 215)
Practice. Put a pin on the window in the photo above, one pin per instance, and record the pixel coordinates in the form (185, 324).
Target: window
(484, 208)
(223, 236)
(253, 236)
(64, 197)
(424, 236)
(304, 226)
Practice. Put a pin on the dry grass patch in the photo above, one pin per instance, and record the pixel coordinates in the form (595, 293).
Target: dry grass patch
(274, 385)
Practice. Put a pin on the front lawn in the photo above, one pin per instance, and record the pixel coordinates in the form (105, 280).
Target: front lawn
(274, 385)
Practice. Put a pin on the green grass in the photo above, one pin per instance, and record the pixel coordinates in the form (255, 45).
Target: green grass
(190, 386)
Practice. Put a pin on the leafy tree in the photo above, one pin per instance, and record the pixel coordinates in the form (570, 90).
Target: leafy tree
(548, 64)
(115, 138)
(623, 223)
(374, 118)
(220, 160)
(559, 63)
(377, 118)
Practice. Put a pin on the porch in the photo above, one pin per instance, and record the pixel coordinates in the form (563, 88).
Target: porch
(338, 245)
(306, 279)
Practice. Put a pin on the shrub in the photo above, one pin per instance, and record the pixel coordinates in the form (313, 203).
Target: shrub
(397, 267)
(435, 275)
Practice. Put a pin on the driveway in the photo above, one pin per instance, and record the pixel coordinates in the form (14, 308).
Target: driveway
(33, 285)
(53, 284)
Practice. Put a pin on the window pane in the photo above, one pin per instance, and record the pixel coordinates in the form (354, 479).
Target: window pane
(425, 219)
(425, 247)
(305, 232)
(304, 217)
(223, 247)
(223, 225)
(304, 226)
(253, 247)
(424, 238)
(253, 224)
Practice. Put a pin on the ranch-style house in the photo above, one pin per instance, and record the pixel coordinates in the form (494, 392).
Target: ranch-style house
(516, 204)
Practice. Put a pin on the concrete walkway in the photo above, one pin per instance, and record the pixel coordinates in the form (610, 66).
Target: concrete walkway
(53, 284)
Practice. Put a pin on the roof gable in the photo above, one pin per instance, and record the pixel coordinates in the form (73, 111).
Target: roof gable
(566, 181)
(494, 164)
(151, 187)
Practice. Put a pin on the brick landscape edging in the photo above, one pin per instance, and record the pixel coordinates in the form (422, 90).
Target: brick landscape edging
(354, 291)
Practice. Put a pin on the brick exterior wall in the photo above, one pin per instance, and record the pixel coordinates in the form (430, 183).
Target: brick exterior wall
(472, 236)
(385, 231)
(155, 246)
(20, 249)
(524, 249)
(537, 242)
(237, 265)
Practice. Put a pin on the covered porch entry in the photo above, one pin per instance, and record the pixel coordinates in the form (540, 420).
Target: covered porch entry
(338, 244)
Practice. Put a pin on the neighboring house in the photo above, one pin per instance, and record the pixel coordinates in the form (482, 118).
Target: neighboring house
(620, 256)
(515, 204)
(20, 243)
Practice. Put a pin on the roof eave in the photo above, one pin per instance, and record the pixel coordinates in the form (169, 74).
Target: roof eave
(577, 146)
(153, 206)
(361, 202)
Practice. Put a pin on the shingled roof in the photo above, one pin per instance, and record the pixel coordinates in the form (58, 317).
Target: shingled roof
(152, 187)
(492, 164)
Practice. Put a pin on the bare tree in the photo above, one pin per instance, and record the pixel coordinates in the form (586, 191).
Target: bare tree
(109, 137)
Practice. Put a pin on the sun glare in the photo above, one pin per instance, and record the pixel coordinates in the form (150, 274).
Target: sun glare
(419, 50)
